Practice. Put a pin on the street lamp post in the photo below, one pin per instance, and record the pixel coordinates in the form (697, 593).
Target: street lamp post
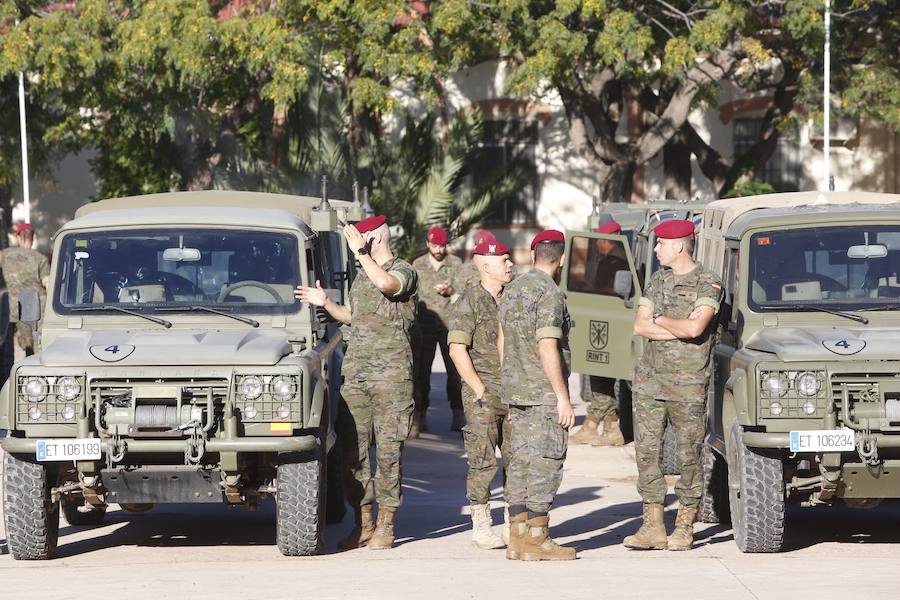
(26, 195)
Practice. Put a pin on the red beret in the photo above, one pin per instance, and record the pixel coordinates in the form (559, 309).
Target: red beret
(24, 227)
(437, 235)
(491, 249)
(371, 224)
(548, 235)
(609, 227)
(675, 229)
(484, 236)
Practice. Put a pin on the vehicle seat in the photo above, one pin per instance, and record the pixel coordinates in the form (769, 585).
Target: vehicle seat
(152, 292)
(757, 292)
(888, 287)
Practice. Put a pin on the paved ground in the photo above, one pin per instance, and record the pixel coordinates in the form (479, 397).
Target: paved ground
(186, 551)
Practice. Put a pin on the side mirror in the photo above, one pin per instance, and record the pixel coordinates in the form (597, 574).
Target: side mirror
(29, 306)
(622, 284)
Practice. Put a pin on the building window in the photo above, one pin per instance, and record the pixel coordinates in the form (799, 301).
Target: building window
(782, 170)
(509, 147)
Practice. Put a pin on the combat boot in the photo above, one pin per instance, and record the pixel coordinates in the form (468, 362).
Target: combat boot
(518, 530)
(538, 545)
(383, 538)
(417, 426)
(504, 533)
(612, 434)
(363, 530)
(588, 434)
(483, 535)
(683, 536)
(652, 534)
(459, 420)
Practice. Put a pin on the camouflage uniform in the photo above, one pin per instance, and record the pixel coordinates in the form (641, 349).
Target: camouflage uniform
(474, 323)
(24, 269)
(466, 277)
(432, 319)
(532, 308)
(377, 386)
(599, 393)
(670, 382)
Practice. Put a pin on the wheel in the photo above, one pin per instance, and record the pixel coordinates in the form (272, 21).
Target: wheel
(74, 516)
(626, 419)
(670, 443)
(31, 518)
(300, 503)
(714, 494)
(756, 494)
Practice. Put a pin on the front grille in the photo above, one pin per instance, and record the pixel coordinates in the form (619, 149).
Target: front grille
(49, 409)
(872, 399)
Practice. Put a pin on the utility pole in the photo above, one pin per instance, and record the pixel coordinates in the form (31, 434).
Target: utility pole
(26, 194)
(826, 118)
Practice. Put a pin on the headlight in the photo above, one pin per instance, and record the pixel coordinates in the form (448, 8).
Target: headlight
(808, 384)
(284, 412)
(34, 413)
(68, 412)
(35, 389)
(283, 387)
(776, 408)
(250, 412)
(777, 384)
(809, 408)
(251, 387)
(68, 388)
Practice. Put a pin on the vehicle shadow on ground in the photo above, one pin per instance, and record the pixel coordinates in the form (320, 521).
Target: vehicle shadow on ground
(806, 527)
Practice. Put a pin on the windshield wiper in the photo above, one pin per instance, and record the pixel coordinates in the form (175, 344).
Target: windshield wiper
(881, 307)
(840, 313)
(214, 311)
(162, 322)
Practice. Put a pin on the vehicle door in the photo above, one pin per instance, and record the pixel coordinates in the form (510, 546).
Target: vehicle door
(601, 335)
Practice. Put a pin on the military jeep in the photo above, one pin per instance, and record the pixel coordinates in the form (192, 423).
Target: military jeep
(178, 367)
(804, 400)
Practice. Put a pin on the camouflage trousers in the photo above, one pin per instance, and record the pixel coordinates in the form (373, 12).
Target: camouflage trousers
(486, 430)
(600, 394)
(689, 421)
(537, 451)
(388, 406)
(425, 345)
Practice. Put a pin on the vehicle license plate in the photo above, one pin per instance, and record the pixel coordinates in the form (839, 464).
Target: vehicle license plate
(828, 440)
(68, 449)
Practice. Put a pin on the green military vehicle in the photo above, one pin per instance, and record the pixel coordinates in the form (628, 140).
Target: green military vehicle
(805, 396)
(178, 367)
(592, 298)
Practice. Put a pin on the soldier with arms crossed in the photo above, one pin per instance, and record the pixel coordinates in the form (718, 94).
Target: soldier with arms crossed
(534, 327)
(474, 328)
(676, 315)
(377, 371)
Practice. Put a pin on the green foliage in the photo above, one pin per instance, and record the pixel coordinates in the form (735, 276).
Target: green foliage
(749, 187)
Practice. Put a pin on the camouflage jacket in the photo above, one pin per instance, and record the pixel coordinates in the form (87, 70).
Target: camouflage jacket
(23, 269)
(466, 277)
(434, 309)
(378, 341)
(532, 308)
(474, 323)
(678, 369)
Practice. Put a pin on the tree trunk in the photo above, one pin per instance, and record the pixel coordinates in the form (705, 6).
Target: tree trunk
(677, 169)
(616, 181)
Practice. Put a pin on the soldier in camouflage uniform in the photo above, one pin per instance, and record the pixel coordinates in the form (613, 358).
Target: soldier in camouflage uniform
(474, 328)
(676, 315)
(377, 369)
(534, 327)
(436, 270)
(599, 392)
(24, 268)
(467, 275)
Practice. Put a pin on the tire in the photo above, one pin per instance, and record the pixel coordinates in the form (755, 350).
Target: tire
(756, 494)
(300, 504)
(714, 494)
(75, 517)
(626, 418)
(31, 519)
(670, 443)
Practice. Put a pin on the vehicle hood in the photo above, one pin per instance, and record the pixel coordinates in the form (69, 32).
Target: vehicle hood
(792, 344)
(173, 348)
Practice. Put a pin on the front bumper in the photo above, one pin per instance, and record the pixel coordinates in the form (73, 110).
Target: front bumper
(301, 443)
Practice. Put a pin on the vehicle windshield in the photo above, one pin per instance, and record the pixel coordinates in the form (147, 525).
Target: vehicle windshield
(842, 268)
(151, 269)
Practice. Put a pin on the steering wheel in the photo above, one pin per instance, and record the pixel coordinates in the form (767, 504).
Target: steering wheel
(257, 284)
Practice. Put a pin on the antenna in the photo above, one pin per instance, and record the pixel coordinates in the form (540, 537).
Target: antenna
(325, 204)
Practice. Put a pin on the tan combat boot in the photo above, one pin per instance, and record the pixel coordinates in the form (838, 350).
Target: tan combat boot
(588, 434)
(504, 533)
(538, 544)
(483, 535)
(417, 426)
(383, 538)
(652, 534)
(518, 530)
(683, 536)
(612, 434)
(459, 420)
(363, 531)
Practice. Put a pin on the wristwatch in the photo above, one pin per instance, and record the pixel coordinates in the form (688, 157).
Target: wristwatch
(655, 317)
(362, 251)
